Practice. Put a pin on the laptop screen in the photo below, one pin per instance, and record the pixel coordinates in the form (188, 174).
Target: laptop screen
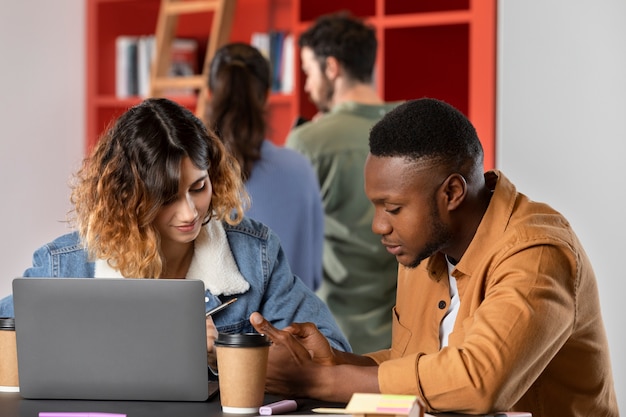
(111, 339)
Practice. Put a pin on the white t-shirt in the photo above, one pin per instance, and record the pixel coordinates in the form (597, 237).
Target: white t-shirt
(447, 324)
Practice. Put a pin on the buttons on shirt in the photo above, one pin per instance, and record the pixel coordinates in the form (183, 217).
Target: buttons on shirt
(441, 305)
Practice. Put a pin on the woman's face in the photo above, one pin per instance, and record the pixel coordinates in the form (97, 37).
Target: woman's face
(180, 221)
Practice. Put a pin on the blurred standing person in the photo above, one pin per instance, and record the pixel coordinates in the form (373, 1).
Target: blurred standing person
(281, 183)
(338, 55)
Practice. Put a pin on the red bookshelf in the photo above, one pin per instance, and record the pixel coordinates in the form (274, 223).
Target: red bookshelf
(438, 49)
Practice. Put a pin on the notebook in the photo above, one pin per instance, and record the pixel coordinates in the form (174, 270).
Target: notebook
(111, 339)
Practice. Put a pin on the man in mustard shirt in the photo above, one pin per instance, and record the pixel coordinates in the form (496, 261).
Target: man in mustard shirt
(497, 305)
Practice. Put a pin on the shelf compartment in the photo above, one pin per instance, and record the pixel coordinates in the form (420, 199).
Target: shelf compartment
(311, 9)
(429, 61)
(423, 6)
(442, 49)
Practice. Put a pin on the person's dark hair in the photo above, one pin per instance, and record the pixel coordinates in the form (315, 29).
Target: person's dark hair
(134, 170)
(239, 81)
(428, 129)
(347, 39)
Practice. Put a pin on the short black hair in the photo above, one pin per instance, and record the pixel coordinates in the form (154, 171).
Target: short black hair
(430, 129)
(346, 38)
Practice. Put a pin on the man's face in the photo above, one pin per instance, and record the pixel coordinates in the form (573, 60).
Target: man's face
(407, 215)
(317, 85)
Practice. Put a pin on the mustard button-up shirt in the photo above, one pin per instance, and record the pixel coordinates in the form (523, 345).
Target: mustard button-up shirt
(529, 334)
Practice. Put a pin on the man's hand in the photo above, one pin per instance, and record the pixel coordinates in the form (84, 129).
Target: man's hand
(291, 356)
(303, 364)
(314, 342)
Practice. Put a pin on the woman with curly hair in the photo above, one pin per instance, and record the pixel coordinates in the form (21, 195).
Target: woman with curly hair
(160, 197)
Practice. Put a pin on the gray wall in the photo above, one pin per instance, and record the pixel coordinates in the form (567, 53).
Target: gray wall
(561, 84)
(561, 132)
(42, 119)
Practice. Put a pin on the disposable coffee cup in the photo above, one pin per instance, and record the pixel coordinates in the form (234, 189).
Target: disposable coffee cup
(9, 381)
(242, 367)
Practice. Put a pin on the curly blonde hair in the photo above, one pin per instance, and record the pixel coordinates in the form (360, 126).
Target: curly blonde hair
(134, 170)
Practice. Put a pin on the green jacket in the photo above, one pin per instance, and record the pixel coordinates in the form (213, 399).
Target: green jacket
(359, 282)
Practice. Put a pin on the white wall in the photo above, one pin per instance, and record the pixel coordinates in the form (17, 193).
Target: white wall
(561, 90)
(42, 118)
(562, 133)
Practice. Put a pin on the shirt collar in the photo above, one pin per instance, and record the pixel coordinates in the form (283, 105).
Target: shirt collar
(494, 221)
(212, 262)
(491, 227)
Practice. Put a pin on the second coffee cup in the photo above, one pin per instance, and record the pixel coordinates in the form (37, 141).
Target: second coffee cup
(9, 380)
(242, 367)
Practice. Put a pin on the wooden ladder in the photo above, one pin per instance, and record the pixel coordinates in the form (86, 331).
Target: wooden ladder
(223, 14)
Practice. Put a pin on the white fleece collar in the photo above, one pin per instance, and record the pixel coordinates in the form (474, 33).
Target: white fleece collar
(212, 262)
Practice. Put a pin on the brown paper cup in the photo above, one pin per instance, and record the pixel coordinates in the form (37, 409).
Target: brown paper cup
(242, 367)
(8, 356)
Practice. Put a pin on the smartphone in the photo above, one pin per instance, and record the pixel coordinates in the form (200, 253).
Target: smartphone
(220, 307)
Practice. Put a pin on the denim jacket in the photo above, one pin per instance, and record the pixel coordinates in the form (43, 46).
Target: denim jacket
(274, 290)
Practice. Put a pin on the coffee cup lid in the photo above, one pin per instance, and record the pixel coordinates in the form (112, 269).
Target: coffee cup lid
(242, 340)
(7, 323)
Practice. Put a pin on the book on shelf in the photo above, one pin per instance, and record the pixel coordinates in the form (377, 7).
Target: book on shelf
(276, 57)
(184, 62)
(134, 56)
(288, 65)
(145, 51)
(261, 41)
(278, 47)
(126, 82)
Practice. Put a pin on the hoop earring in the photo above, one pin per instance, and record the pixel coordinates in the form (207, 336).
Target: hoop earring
(209, 216)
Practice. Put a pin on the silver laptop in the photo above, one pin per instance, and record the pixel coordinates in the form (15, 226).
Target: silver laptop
(111, 339)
